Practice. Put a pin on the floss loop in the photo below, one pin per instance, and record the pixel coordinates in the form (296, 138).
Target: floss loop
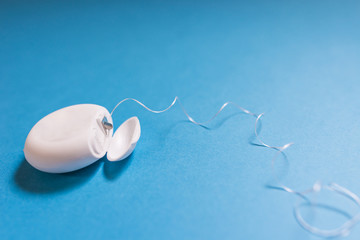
(341, 231)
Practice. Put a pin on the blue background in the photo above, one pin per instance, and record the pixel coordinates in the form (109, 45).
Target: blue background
(299, 62)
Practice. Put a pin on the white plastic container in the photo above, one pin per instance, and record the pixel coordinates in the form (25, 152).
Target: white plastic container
(76, 136)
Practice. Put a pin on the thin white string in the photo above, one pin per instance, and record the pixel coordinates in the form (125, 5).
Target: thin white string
(343, 230)
(176, 99)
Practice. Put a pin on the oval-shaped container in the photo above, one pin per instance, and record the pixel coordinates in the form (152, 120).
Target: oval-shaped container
(68, 139)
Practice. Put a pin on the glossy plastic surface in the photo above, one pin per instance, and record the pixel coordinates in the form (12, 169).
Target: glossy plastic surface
(68, 139)
(124, 140)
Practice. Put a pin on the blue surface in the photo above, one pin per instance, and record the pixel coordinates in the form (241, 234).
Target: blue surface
(297, 62)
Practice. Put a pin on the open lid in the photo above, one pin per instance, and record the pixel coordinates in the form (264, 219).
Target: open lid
(124, 140)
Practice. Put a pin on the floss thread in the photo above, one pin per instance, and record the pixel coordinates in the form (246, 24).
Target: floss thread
(341, 231)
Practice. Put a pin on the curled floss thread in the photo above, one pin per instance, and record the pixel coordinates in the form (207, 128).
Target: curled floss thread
(341, 231)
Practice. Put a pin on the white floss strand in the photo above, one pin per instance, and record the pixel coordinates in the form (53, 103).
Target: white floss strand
(341, 231)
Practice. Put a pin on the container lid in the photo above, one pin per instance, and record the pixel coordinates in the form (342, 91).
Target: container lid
(124, 140)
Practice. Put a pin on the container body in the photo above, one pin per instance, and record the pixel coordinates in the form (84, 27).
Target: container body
(68, 139)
